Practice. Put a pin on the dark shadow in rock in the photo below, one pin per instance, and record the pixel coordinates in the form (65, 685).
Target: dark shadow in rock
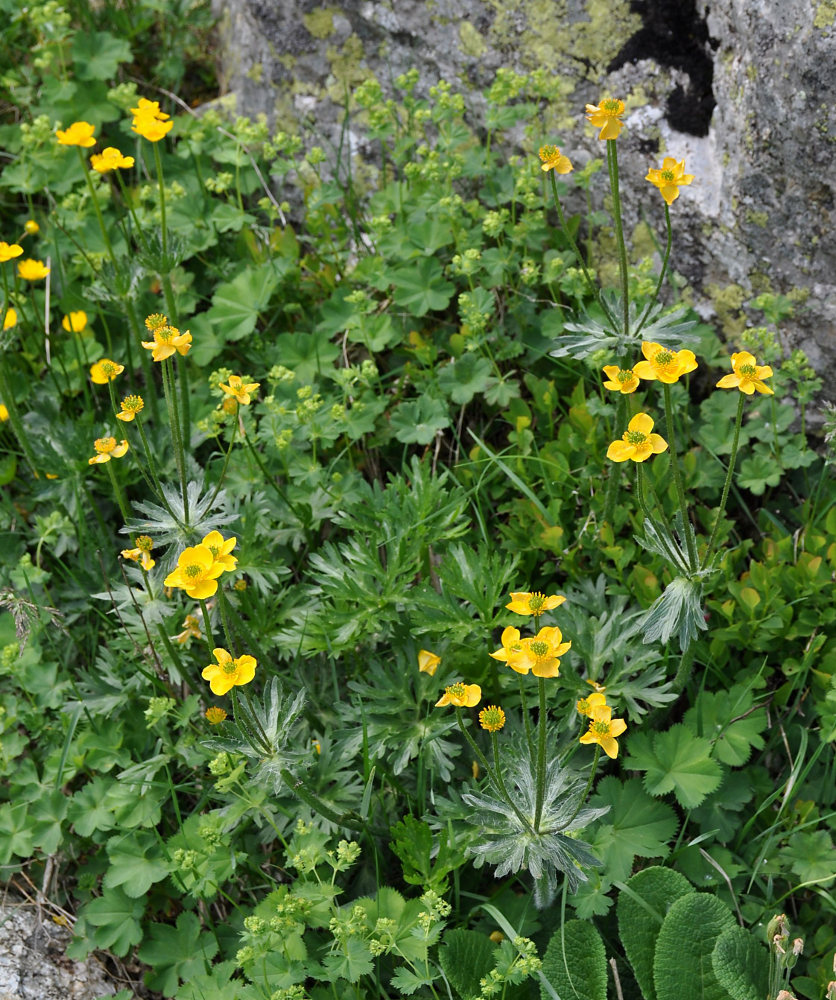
(674, 35)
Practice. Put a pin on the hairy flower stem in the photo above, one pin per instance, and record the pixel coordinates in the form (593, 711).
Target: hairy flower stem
(592, 285)
(299, 790)
(529, 735)
(226, 462)
(582, 799)
(727, 483)
(613, 480)
(224, 606)
(494, 774)
(671, 554)
(665, 259)
(207, 625)
(176, 436)
(96, 207)
(677, 478)
(117, 492)
(541, 754)
(686, 665)
(242, 702)
(612, 163)
(157, 488)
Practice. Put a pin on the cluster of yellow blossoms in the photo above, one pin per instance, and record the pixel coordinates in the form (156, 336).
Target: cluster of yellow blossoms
(199, 566)
(539, 654)
(149, 121)
(606, 116)
(667, 366)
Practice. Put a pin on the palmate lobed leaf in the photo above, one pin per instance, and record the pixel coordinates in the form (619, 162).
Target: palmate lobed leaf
(675, 761)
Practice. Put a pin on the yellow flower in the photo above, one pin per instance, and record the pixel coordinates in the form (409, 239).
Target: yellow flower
(191, 630)
(606, 116)
(533, 604)
(130, 406)
(78, 134)
(239, 389)
(603, 730)
(620, 379)
(196, 572)
(220, 548)
(428, 662)
(149, 109)
(142, 553)
(105, 371)
(75, 322)
(8, 251)
(150, 127)
(511, 643)
(32, 270)
(215, 715)
(553, 159)
(492, 718)
(228, 672)
(664, 365)
(747, 376)
(540, 653)
(31, 227)
(110, 159)
(10, 319)
(155, 321)
(4, 413)
(669, 178)
(167, 340)
(585, 705)
(106, 449)
(460, 695)
(637, 442)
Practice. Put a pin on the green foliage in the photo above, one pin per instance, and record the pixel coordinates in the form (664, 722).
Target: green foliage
(741, 965)
(682, 963)
(575, 962)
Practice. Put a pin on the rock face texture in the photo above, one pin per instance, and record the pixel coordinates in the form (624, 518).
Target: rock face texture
(33, 965)
(742, 89)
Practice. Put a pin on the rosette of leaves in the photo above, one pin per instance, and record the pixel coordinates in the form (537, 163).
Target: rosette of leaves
(171, 525)
(511, 845)
(593, 333)
(275, 723)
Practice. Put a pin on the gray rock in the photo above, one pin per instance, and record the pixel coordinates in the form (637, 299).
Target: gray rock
(32, 961)
(759, 215)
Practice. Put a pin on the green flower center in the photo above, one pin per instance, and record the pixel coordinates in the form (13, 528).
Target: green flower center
(214, 550)
(456, 690)
(164, 333)
(663, 358)
(748, 370)
(668, 175)
(535, 602)
(635, 437)
(108, 368)
(624, 375)
(583, 706)
(229, 667)
(610, 106)
(193, 571)
(133, 404)
(600, 728)
(539, 647)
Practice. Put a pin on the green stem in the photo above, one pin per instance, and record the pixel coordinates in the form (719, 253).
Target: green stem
(500, 784)
(14, 419)
(665, 259)
(612, 163)
(529, 735)
(207, 625)
(222, 604)
(318, 806)
(226, 461)
(541, 753)
(582, 799)
(252, 717)
(672, 554)
(727, 483)
(152, 469)
(174, 422)
(686, 664)
(97, 208)
(117, 490)
(592, 286)
(612, 481)
(677, 478)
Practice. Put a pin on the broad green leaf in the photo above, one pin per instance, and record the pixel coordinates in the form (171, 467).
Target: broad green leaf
(216, 984)
(639, 824)
(177, 953)
(236, 304)
(116, 918)
(464, 377)
(642, 906)
(682, 968)
(575, 963)
(417, 421)
(98, 54)
(757, 472)
(741, 964)
(46, 815)
(727, 718)
(136, 863)
(466, 957)
(676, 761)
(306, 354)
(421, 287)
(812, 856)
(16, 835)
(351, 961)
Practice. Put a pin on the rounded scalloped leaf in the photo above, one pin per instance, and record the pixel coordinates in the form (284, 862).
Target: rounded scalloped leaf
(682, 968)
(741, 964)
(575, 963)
(643, 904)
